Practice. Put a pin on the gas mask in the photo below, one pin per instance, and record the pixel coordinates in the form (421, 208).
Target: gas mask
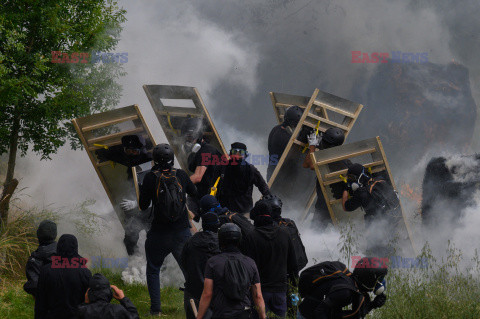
(380, 287)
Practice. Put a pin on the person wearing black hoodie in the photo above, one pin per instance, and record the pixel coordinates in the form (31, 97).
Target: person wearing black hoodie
(198, 249)
(97, 302)
(62, 286)
(271, 247)
(46, 234)
(237, 180)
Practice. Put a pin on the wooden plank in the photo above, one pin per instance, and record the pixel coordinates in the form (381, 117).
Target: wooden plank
(324, 191)
(96, 140)
(108, 123)
(274, 103)
(337, 180)
(334, 109)
(92, 159)
(344, 171)
(288, 105)
(110, 144)
(339, 158)
(324, 120)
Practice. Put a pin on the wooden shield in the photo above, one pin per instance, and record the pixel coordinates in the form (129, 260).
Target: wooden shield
(171, 117)
(290, 181)
(106, 130)
(371, 155)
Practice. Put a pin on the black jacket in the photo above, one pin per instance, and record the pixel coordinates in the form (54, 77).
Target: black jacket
(300, 254)
(61, 290)
(271, 247)
(236, 187)
(238, 219)
(37, 259)
(197, 250)
(99, 306)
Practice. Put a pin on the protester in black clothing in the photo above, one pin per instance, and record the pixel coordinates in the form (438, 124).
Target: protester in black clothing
(62, 284)
(97, 302)
(239, 176)
(170, 226)
(46, 234)
(280, 135)
(290, 226)
(231, 280)
(331, 138)
(202, 159)
(197, 250)
(271, 247)
(377, 216)
(130, 153)
(327, 298)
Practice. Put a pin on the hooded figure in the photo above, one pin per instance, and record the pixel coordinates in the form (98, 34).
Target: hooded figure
(271, 247)
(197, 250)
(62, 284)
(46, 234)
(239, 177)
(98, 305)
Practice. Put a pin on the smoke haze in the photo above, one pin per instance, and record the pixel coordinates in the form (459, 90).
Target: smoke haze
(236, 52)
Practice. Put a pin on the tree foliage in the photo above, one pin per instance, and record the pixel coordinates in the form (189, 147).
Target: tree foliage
(38, 97)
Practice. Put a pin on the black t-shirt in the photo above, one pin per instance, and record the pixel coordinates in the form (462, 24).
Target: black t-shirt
(207, 156)
(147, 195)
(222, 306)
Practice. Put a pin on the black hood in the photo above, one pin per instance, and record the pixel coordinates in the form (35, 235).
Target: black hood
(269, 231)
(99, 289)
(67, 246)
(206, 241)
(46, 232)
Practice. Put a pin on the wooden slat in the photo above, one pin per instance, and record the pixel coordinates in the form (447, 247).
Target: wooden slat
(108, 123)
(344, 171)
(299, 143)
(288, 105)
(118, 142)
(336, 180)
(114, 135)
(334, 109)
(354, 154)
(323, 120)
(335, 201)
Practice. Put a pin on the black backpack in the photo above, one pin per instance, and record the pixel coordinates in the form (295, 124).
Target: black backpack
(384, 195)
(170, 199)
(317, 275)
(236, 279)
(300, 253)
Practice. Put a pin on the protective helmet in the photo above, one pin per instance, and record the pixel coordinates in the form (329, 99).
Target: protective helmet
(276, 204)
(333, 137)
(368, 272)
(163, 155)
(229, 235)
(293, 115)
(192, 129)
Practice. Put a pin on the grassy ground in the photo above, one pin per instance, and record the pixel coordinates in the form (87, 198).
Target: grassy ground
(16, 303)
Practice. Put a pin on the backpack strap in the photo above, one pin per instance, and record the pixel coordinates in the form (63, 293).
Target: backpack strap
(373, 184)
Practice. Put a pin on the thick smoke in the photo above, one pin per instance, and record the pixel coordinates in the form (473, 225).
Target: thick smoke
(236, 52)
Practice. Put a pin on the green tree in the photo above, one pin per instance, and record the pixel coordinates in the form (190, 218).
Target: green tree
(38, 97)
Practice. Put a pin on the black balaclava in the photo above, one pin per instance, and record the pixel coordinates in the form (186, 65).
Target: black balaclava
(210, 222)
(46, 232)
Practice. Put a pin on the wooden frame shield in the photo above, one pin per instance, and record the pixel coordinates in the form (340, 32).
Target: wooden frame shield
(371, 155)
(172, 117)
(290, 181)
(106, 130)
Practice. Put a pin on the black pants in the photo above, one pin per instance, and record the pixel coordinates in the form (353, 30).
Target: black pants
(329, 308)
(243, 315)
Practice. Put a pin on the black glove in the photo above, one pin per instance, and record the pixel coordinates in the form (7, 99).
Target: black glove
(347, 187)
(379, 301)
